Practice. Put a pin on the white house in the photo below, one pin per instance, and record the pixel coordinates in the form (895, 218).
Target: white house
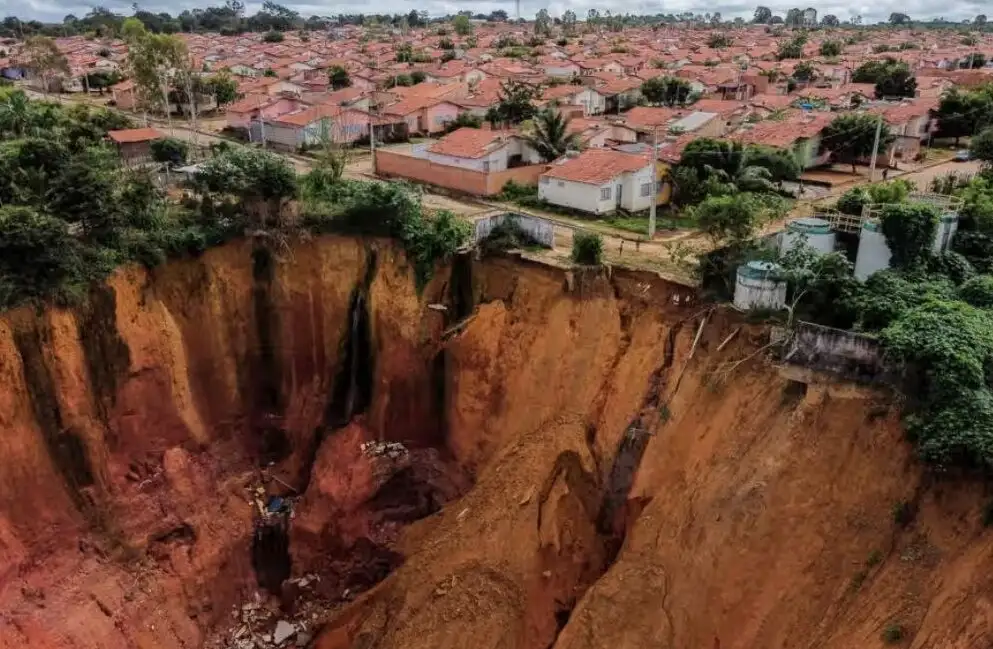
(481, 150)
(593, 102)
(600, 181)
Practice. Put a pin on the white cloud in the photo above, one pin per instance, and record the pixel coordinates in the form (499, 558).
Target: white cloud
(55, 10)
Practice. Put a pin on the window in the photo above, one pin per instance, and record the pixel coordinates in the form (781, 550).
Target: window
(561, 183)
(646, 189)
(545, 180)
(486, 166)
(605, 194)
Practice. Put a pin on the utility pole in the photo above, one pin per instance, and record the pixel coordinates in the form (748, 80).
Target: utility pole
(655, 189)
(875, 150)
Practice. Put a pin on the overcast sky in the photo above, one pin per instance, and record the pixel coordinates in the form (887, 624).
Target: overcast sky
(55, 10)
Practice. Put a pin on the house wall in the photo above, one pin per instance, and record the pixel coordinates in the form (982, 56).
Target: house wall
(125, 99)
(578, 196)
(469, 181)
(592, 101)
(713, 128)
(283, 136)
(495, 161)
(437, 117)
(631, 198)
(565, 70)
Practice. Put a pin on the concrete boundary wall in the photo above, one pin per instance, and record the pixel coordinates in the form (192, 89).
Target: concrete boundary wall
(849, 355)
(539, 230)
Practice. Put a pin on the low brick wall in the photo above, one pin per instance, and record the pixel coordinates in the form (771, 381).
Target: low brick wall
(399, 165)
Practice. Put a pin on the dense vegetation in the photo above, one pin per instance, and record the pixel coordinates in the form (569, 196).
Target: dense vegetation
(933, 314)
(71, 212)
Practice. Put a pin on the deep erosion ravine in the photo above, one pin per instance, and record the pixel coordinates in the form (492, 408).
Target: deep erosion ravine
(258, 449)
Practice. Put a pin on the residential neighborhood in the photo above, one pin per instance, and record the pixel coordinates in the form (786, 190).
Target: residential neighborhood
(434, 94)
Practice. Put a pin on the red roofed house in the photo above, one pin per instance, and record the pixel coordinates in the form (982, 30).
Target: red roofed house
(600, 181)
(470, 160)
(134, 144)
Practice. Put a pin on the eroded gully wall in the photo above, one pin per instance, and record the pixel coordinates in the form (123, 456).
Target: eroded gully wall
(751, 514)
(132, 425)
(761, 516)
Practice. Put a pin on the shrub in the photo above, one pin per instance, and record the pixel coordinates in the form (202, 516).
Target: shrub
(903, 513)
(170, 151)
(893, 633)
(273, 37)
(978, 291)
(587, 248)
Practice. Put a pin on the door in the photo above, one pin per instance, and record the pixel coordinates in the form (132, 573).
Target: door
(619, 187)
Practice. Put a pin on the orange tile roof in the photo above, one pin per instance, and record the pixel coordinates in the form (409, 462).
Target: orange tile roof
(308, 116)
(131, 135)
(596, 166)
(468, 142)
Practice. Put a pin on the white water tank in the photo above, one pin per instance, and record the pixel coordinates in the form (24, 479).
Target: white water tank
(815, 232)
(874, 253)
(947, 226)
(759, 286)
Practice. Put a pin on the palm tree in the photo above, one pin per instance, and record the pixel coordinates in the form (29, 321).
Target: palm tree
(550, 137)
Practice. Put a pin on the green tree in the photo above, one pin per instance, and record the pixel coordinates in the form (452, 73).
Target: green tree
(962, 114)
(794, 18)
(830, 48)
(85, 191)
(909, 229)
(38, 256)
(587, 248)
(543, 23)
(851, 137)
(762, 16)
(551, 137)
(899, 19)
(100, 80)
(978, 291)
(728, 220)
(170, 150)
(516, 103)
(462, 25)
(981, 147)
(792, 49)
(892, 78)
(15, 113)
(666, 91)
(224, 88)
(262, 181)
(338, 77)
(44, 59)
(830, 20)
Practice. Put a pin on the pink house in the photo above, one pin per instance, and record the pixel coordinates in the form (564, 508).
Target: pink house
(424, 114)
(241, 113)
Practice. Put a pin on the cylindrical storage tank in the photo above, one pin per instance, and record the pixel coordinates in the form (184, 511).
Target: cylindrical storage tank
(759, 286)
(874, 253)
(815, 232)
(943, 234)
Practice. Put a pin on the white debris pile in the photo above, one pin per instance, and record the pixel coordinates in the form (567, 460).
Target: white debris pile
(259, 624)
(392, 450)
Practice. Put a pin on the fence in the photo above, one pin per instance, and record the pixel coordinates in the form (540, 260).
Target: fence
(539, 230)
(847, 354)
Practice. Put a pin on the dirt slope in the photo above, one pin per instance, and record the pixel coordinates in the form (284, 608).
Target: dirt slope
(616, 493)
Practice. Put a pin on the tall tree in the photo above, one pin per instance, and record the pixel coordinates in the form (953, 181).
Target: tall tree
(897, 18)
(667, 91)
(338, 77)
(44, 59)
(830, 20)
(762, 16)
(851, 137)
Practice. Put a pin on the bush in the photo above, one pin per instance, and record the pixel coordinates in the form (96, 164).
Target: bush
(170, 151)
(978, 291)
(507, 235)
(273, 37)
(893, 633)
(587, 248)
